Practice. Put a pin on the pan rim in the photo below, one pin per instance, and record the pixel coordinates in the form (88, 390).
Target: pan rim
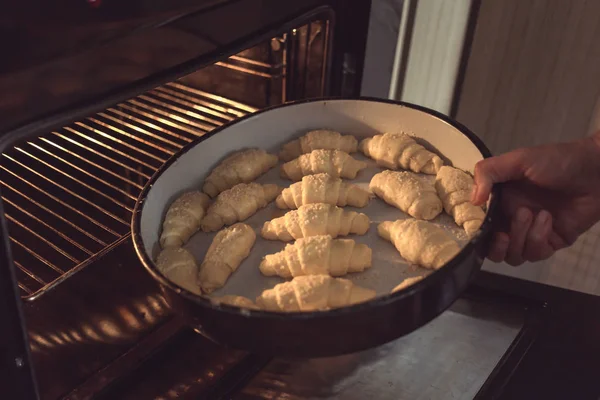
(439, 274)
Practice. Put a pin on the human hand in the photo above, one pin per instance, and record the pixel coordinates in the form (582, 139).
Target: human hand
(551, 195)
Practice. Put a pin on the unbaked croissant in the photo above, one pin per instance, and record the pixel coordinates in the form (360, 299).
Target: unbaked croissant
(407, 282)
(237, 301)
(237, 204)
(243, 166)
(334, 162)
(313, 220)
(179, 266)
(318, 255)
(393, 150)
(319, 139)
(313, 293)
(322, 188)
(454, 188)
(228, 249)
(183, 218)
(420, 242)
(408, 192)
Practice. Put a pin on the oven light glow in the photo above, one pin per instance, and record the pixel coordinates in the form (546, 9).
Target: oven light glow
(110, 329)
(130, 319)
(56, 339)
(89, 331)
(41, 340)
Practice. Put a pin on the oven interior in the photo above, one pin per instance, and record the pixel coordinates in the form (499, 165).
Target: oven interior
(69, 194)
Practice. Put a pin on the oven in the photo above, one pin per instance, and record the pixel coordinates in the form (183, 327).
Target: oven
(96, 96)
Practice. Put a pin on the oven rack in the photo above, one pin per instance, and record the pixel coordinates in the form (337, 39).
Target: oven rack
(69, 194)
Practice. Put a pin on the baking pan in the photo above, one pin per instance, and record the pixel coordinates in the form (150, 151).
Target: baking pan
(322, 333)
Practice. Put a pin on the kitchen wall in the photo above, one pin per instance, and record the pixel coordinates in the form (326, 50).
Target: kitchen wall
(381, 46)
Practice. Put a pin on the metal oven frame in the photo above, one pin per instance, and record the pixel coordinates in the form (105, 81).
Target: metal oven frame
(44, 311)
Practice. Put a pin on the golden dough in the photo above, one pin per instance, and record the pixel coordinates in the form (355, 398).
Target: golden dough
(318, 255)
(318, 139)
(420, 242)
(454, 188)
(243, 166)
(399, 150)
(237, 204)
(228, 249)
(333, 162)
(408, 192)
(183, 218)
(322, 188)
(313, 220)
(313, 293)
(179, 266)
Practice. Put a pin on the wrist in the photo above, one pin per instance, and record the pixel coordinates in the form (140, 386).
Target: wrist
(596, 141)
(595, 148)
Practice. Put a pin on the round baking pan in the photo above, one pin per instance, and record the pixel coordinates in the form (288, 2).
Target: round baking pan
(336, 331)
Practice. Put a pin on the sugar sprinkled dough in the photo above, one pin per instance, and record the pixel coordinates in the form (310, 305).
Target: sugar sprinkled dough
(237, 204)
(454, 188)
(333, 162)
(318, 139)
(243, 166)
(406, 191)
(313, 220)
(420, 242)
(322, 188)
(228, 249)
(394, 150)
(318, 255)
(313, 293)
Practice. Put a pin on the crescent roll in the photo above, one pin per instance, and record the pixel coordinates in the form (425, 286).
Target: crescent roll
(408, 192)
(237, 204)
(454, 188)
(313, 293)
(398, 150)
(333, 162)
(318, 139)
(420, 242)
(322, 188)
(243, 166)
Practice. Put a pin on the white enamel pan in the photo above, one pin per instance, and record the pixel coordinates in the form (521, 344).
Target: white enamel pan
(323, 333)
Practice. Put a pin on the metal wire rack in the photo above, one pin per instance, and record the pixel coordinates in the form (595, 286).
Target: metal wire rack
(69, 194)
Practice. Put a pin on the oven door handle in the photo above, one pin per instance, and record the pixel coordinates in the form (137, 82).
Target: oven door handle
(18, 381)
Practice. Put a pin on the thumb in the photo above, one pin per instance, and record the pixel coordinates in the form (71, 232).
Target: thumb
(503, 168)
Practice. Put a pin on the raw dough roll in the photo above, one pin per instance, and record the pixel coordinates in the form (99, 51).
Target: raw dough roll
(322, 188)
(183, 218)
(228, 249)
(243, 166)
(454, 188)
(393, 150)
(314, 220)
(313, 293)
(318, 255)
(408, 192)
(333, 162)
(179, 266)
(318, 139)
(420, 242)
